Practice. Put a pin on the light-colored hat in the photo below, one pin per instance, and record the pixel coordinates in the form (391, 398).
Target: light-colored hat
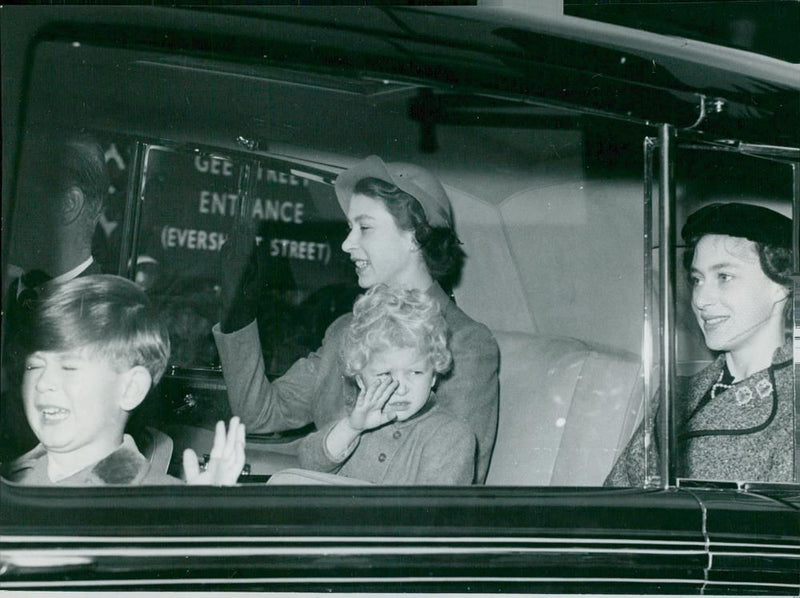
(414, 180)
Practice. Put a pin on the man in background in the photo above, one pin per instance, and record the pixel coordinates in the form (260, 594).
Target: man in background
(62, 187)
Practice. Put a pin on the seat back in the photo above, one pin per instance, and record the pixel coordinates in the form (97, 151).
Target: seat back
(566, 410)
(156, 447)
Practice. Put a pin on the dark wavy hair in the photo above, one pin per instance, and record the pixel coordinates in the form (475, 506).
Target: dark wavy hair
(440, 246)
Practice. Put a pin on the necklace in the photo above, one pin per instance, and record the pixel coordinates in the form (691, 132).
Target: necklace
(723, 383)
(719, 385)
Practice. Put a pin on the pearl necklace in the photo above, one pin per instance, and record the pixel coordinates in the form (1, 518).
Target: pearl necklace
(719, 385)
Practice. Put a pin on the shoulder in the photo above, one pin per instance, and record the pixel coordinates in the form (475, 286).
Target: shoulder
(462, 327)
(702, 380)
(339, 325)
(23, 467)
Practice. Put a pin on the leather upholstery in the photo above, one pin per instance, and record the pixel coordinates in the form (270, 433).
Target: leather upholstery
(567, 408)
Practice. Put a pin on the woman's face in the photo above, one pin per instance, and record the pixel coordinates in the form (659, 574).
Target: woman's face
(381, 252)
(735, 303)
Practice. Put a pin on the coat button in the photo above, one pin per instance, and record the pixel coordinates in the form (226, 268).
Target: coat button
(397, 434)
(382, 457)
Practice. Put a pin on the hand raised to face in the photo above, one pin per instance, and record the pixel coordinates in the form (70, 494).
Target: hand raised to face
(368, 412)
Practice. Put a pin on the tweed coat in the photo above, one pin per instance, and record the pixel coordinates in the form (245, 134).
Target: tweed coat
(431, 448)
(746, 433)
(316, 390)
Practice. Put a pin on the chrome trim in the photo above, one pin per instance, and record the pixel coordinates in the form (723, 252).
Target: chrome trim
(666, 261)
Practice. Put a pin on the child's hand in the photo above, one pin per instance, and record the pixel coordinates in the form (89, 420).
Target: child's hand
(368, 412)
(227, 458)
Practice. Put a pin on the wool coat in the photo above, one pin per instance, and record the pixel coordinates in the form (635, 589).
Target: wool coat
(316, 390)
(431, 448)
(745, 433)
(126, 466)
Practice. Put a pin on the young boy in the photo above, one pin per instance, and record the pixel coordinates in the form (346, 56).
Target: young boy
(92, 353)
(395, 347)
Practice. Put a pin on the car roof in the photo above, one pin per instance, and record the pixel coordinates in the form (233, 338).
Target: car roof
(543, 59)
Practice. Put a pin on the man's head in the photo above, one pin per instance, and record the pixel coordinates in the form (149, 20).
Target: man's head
(63, 184)
(94, 350)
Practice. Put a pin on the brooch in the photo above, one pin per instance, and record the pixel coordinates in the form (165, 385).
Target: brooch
(743, 396)
(764, 388)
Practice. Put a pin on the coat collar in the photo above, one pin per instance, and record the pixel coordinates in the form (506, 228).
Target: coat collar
(125, 466)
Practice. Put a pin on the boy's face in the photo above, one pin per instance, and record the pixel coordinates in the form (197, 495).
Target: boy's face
(73, 401)
(414, 375)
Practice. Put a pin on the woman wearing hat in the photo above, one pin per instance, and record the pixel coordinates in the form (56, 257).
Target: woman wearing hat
(401, 234)
(736, 416)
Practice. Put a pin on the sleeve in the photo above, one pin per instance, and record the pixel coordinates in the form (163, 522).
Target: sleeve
(472, 391)
(314, 455)
(629, 469)
(629, 466)
(265, 406)
(449, 457)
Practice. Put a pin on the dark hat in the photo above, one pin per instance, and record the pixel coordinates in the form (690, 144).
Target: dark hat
(414, 180)
(760, 225)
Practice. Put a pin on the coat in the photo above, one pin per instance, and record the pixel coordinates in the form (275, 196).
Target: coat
(126, 466)
(746, 433)
(316, 390)
(431, 448)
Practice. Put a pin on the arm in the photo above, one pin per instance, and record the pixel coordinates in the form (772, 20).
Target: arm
(329, 448)
(472, 391)
(289, 401)
(262, 407)
(629, 468)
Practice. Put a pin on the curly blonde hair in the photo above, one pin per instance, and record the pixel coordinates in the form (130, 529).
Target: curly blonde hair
(386, 318)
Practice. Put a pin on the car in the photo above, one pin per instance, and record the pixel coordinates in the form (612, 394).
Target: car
(572, 150)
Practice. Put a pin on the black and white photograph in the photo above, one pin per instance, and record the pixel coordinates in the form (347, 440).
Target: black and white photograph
(468, 297)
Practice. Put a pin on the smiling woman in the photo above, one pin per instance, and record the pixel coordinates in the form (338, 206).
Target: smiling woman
(528, 174)
(395, 237)
(736, 417)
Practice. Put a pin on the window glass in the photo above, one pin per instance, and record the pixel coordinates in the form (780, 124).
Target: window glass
(192, 204)
(550, 217)
(734, 386)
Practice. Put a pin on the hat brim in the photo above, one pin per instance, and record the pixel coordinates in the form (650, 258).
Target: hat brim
(370, 167)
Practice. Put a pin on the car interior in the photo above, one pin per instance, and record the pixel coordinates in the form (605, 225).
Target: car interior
(550, 205)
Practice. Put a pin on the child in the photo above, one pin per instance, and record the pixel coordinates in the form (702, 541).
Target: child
(92, 353)
(395, 347)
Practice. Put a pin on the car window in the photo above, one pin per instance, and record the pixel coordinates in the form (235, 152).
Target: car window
(561, 262)
(694, 359)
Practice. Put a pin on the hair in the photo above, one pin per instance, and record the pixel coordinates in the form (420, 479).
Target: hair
(108, 315)
(775, 260)
(74, 159)
(386, 318)
(440, 246)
